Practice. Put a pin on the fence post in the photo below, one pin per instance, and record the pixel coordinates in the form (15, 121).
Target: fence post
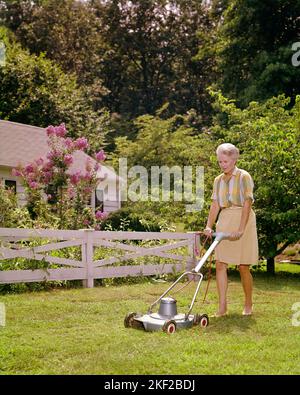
(88, 257)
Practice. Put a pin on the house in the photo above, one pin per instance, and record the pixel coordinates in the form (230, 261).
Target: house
(22, 144)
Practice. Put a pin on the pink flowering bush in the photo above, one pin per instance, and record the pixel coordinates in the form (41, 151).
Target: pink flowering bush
(55, 191)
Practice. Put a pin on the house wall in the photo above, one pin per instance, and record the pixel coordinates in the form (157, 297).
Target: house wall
(5, 174)
(109, 192)
(111, 206)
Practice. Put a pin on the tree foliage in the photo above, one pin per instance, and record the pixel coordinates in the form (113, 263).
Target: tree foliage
(35, 91)
(65, 30)
(254, 49)
(132, 55)
(152, 47)
(170, 142)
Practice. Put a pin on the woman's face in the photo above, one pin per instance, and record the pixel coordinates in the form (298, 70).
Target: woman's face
(226, 163)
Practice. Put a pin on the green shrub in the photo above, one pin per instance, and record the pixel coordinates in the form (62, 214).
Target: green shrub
(124, 219)
(12, 216)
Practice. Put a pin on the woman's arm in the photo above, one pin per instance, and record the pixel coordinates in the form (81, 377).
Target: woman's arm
(212, 216)
(244, 220)
(245, 215)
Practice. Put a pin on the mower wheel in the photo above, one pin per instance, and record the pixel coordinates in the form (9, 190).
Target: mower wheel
(203, 320)
(196, 319)
(130, 322)
(129, 319)
(169, 327)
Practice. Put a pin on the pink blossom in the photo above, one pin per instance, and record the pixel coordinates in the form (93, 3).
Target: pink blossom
(47, 166)
(50, 130)
(101, 156)
(61, 130)
(87, 190)
(97, 166)
(39, 161)
(71, 193)
(29, 169)
(88, 176)
(86, 222)
(48, 176)
(16, 173)
(68, 143)
(81, 143)
(50, 155)
(68, 159)
(100, 215)
(75, 178)
(55, 153)
(33, 185)
(31, 177)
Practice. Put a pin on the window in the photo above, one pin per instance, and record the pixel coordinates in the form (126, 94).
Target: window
(99, 199)
(11, 184)
(52, 193)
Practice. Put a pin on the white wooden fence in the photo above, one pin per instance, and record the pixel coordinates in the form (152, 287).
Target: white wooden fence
(13, 245)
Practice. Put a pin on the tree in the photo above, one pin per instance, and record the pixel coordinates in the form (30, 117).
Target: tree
(133, 56)
(66, 30)
(169, 142)
(150, 55)
(254, 49)
(35, 91)
(15, 12)
(268, 136)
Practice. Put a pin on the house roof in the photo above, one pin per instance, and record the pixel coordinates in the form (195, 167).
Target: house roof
(21, 144)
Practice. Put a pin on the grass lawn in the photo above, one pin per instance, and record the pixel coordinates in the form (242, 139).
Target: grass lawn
(81, 331)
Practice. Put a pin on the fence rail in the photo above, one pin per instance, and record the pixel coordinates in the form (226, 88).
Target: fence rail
(88, 268)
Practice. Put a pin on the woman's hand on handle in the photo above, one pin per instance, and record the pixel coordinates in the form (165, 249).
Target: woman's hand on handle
(235, 235)
(208, 232)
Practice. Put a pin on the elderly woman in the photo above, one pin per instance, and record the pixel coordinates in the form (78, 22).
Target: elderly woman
(233, 197)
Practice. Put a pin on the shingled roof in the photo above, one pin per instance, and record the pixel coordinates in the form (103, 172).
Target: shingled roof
(21, 144)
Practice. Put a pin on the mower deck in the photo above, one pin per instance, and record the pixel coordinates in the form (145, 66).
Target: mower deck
(154, 321)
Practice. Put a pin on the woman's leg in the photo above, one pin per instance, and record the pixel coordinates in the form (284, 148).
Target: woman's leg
(222, 284)
(247, 282)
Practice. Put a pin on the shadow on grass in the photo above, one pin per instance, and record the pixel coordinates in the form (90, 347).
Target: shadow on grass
(264, 281)
(231, 322)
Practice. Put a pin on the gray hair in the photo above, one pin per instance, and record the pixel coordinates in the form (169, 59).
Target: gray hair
(228, 149)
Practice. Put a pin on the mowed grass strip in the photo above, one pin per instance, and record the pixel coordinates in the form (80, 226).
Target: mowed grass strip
(81, 331)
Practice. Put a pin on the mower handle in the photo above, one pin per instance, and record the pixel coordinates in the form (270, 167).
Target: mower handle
(218, 235)
(221, 236)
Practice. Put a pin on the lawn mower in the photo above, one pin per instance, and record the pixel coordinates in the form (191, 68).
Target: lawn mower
(167, 317)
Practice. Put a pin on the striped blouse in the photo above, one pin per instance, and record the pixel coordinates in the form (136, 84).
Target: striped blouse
(234, 191)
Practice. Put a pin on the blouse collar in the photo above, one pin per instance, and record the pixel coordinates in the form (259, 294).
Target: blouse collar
(233, 173)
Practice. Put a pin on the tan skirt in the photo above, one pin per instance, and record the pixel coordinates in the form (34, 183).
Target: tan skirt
(239, 252)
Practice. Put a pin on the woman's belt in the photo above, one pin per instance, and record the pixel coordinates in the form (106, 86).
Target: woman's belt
(232, 207)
